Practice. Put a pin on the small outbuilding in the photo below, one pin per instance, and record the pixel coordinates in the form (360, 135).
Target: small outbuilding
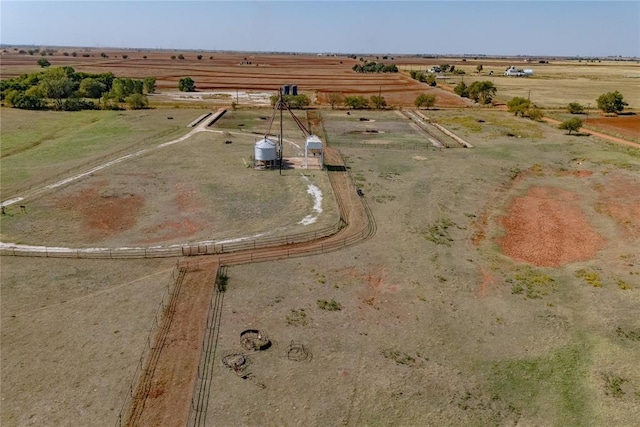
(313, 145)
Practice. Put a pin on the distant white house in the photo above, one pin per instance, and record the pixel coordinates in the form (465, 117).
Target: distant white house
(518, 72)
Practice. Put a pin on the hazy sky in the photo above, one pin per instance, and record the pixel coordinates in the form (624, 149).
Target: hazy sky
(585, 28)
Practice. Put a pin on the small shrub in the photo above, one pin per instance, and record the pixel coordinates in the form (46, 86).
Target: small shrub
(297, 318)
(591, 277)
(514, 173)
(632, 335)
(438, 232)
(575, 108)
(329, 305)
(623, 285)
(532, 283)
(398, 357)
(613, 385)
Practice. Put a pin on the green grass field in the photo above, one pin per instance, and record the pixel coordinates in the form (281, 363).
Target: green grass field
(39, 146)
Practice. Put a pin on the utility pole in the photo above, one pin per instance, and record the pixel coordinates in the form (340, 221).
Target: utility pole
(280, 105)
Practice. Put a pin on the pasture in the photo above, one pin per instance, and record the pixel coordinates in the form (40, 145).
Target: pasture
(449, 315)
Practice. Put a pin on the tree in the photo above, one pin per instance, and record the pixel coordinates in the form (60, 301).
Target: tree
(137, 101)
(181, 56)
(575, 108)
(297, 101)
(42, 62)
(125, 56)
(21, 100)
(431, 80)
(92, 88)
(356, 102)
(378, 101)
(462, 90)
(56, 84)
(149, 84)
(479, 68)
(482, 91)
(571, 125)
(611, 102)
(424, 100)
(535, 114)
(518, 105)
(199, 57)
(186, 84)
(335, 98)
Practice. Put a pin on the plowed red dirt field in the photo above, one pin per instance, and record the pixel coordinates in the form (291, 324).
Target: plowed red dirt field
(314, 74)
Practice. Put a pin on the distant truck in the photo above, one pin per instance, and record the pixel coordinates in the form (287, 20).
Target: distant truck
(512, 71)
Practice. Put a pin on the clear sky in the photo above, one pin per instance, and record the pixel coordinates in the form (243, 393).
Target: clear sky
(554, 28)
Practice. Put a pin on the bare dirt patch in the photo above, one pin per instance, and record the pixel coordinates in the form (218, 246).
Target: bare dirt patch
(626, 126)
(546, 227)
(102, 212)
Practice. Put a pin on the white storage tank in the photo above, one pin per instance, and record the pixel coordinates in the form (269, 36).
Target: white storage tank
(265, 151)
(313, 146)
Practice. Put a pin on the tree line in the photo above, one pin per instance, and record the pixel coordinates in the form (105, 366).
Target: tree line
(65, 89)
(375, 67)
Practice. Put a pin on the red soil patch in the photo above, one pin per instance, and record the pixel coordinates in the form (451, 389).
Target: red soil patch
(626, 126)
(547, 228)
(247, 71)
(186, 206)
(488, 282)
(103, 213)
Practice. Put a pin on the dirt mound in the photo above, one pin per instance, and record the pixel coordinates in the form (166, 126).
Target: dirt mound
(547, 228)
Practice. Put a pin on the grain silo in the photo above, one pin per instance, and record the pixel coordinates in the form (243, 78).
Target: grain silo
(265, 153)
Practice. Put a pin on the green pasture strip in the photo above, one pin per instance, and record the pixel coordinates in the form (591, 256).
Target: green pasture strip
(38, 146)
(553, 387)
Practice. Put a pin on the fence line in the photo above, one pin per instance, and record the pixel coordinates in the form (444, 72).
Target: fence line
(144, 368)
(202, 384)
(175, 251)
